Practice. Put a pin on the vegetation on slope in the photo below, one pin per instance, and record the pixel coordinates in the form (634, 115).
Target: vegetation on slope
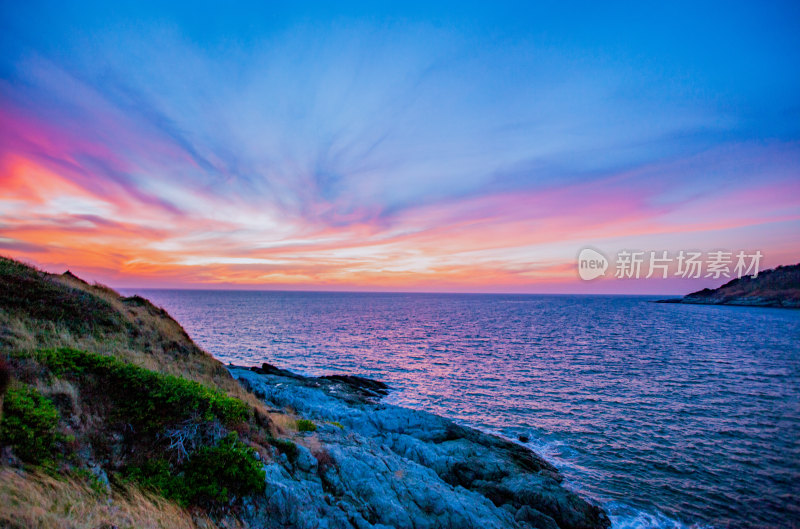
(38, 500)
(25, 290)
(47, 311)
(139, 424)
(111, 398)
(212, 474)
(29, 424)
(143, 399)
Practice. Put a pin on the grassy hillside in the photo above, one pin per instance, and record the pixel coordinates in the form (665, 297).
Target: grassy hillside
(41, 310)
(106, 400)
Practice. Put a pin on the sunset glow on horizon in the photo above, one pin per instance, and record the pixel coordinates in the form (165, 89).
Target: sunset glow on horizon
(463, 150)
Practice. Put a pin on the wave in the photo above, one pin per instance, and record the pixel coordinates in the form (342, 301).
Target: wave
(624, 516)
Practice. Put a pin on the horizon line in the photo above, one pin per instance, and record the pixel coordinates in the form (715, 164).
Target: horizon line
(430, 292)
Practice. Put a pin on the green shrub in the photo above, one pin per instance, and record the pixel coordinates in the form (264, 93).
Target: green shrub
(159, 476)
(213, 474)
(144, 398)
(304, 425)
(150, 402)
(28, 425)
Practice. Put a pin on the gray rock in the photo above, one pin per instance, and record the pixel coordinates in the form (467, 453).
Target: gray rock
(305, 461)
(534, 518)
(394, 467)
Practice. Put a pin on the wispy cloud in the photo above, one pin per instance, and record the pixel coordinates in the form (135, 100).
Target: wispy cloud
(370, 153)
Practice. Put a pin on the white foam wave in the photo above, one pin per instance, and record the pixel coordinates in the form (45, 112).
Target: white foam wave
(626, 517)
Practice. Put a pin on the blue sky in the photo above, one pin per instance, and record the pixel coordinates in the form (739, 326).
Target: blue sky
(456, 146)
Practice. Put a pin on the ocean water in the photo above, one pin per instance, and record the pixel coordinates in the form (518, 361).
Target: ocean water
(667, 415)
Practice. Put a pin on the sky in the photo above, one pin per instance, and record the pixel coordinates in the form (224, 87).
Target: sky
(453, 147)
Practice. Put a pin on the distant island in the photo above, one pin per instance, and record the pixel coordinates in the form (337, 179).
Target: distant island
(778, 287)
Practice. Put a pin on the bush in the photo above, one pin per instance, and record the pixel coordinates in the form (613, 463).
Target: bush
(159, 476)
(213, 474)
(144, 398)
(151, 402)
(28, 424)
(304, 425)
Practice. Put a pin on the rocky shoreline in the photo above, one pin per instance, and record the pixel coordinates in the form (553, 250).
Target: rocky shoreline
(736, 302)
(367, 464)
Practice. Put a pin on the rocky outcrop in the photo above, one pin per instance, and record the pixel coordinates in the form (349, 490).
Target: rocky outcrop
(779, 288)
(374, 465)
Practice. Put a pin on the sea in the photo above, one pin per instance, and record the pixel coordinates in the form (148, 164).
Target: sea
(667, 415)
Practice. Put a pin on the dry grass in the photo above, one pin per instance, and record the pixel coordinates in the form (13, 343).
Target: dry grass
(35, 500)
(283, 423)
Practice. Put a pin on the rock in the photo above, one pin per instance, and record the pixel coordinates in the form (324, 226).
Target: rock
(269, 369)
(394, 467)
(534, 518)
(305, 461)
(366, 386)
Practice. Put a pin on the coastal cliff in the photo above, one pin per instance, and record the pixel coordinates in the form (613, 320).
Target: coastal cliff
(113, 417)
(778, 287)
